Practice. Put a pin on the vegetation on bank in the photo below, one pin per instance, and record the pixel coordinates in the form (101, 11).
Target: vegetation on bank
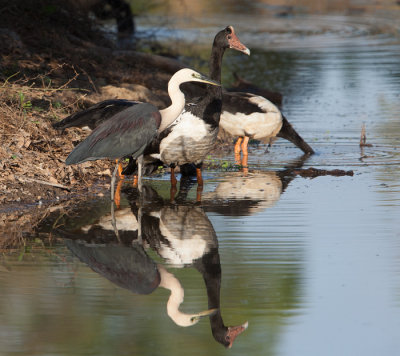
(55, 60)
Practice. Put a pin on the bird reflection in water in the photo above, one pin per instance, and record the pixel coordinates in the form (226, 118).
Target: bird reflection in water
(250, 192)
(131, 268)
(180, 233)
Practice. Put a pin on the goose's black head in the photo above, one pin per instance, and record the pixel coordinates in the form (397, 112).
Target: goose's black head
(228, 39)
(227, 335)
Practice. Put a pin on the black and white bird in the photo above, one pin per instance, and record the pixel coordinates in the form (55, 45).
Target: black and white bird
(192, 135)
(249, 116)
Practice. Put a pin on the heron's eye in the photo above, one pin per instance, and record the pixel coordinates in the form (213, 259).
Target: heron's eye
(227, 338)
(228, 29)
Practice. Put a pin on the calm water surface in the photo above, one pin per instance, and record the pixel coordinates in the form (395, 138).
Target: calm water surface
(313, 265)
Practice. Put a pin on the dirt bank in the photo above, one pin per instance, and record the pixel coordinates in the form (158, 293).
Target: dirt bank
(54, 61)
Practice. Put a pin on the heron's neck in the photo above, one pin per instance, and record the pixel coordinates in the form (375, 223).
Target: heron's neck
(169, 281)
(169, 114)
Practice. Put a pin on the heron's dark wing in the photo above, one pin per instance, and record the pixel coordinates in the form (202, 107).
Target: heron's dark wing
(126, 133)
(127, 267)
(96, 114)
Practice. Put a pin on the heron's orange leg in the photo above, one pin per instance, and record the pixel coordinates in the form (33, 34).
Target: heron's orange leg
(135, 181)
(117, 196)
(199, 177)
(237, 150)
(119, 169)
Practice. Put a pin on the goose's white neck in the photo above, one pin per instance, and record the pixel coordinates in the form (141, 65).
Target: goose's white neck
(169, 114)
(169, 281)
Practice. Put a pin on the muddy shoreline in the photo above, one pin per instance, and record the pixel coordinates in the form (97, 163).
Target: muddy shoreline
(56, 61)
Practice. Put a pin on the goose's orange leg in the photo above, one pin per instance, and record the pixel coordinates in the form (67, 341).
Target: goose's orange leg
(199, 193)
(173, 184)
(245, 155)
(173, 178)
(199, 184)
(117, 196)
(237, 150)
(244, 146)
(199, 177)
(135, 181)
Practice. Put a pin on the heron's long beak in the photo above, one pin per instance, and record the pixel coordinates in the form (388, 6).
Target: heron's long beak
(204, 79)
(198, 316)
(235, 43)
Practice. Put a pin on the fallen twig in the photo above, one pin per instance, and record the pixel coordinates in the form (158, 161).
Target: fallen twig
(25, 179)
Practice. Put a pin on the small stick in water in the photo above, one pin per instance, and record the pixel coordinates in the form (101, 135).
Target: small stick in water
(363, 138)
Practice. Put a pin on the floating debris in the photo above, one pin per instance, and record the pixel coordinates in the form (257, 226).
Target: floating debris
(315, 172)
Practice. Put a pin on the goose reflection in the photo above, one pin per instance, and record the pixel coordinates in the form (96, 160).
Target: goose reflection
(243, 194)
(183, 236)
(238, 195)
(180, 234)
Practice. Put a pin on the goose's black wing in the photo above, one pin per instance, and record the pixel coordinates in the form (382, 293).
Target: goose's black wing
(235, 103)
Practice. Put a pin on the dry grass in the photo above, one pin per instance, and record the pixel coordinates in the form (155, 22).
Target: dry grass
(32, 153)
(51, 58)
(30, 148)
